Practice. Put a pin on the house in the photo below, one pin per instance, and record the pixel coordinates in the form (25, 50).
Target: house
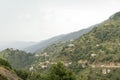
(82, 61)
(102, 65)
(53, 63)
(47, 62)
(36, 55)
(71, 45)
(97, 45)
(93, 66)
(67, 64)
(93, 55)
(44, 66)
(31, 68)
(70, 63)
(108, 70)
(104, 71)
(83, 65)
(45, 54)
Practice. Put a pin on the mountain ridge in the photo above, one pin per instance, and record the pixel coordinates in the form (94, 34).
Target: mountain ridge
(65, 37)
(15, 44)
(99, 46)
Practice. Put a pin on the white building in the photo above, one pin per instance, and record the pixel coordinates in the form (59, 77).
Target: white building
(31, 68)
(43, 66)
(108, 70)
(71, 45)
(93, 55)
(36, 55)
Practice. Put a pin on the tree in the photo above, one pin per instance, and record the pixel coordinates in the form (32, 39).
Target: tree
(22, 74)
(59, 72)
(5, 63)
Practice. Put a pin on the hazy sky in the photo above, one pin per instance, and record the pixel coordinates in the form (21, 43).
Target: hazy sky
(35, 20)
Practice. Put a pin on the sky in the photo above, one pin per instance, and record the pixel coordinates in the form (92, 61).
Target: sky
(36, 20)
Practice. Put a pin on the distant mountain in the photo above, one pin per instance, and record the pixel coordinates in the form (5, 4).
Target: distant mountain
(15, 44)
(61, 38)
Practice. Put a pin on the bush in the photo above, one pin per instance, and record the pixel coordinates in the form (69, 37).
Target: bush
(4, 63)
(22, 74)
(59, 72)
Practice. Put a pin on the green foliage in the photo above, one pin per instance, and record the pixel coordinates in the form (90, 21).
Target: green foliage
(35, 76)
(26, 75)
(97, 74)
(4, 63)
(18, 59)
(22, 74)
(115, 16)
(59, 72)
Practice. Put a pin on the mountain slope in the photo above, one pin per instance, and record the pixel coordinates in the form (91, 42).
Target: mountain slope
(103, 41)
(100, 46)
(71, 36)
(17, 58)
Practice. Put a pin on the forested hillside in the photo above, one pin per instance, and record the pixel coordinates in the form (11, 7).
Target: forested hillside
(103, 42)
(17, 58)
(99, 49)
(64, 38)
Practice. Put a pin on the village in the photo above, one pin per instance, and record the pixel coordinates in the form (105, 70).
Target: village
(106, 67)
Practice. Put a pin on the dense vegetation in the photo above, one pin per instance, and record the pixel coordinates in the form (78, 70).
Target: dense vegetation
(59, 72)
(18, 59)
(4, 63)
(56, 72)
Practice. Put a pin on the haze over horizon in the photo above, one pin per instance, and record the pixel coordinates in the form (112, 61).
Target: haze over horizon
(36, 20)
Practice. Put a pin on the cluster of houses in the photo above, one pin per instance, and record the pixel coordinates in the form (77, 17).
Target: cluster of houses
(106, 71)
(45, 64)
(105, 67)
(44, 54)
(108, 65)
